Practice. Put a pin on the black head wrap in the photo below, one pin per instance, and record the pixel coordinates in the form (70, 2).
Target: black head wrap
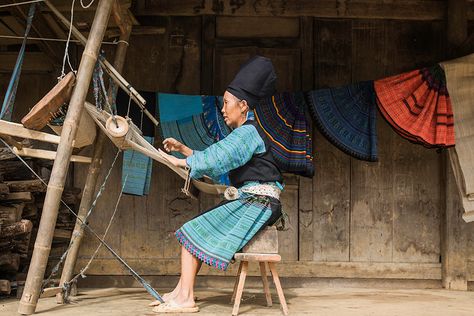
(255, 80)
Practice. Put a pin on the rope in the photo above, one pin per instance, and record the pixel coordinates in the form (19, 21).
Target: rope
(55, 269)
(87, 6)
(9, 99)
(66, 49)
(49, 39)
(86, 267)
(137, 277)
(19, 3)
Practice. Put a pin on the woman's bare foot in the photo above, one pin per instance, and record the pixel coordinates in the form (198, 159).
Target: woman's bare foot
(173, 307)
(166, 297)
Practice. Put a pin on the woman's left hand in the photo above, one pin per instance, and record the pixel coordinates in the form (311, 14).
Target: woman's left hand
(177, 162)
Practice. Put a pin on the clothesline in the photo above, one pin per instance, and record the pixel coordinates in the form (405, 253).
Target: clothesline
(49, 39)
(19, 3)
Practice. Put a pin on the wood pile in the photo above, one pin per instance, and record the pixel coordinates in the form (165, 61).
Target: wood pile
(21, 202)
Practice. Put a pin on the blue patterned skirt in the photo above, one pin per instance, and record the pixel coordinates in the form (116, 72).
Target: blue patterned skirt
(216, 235)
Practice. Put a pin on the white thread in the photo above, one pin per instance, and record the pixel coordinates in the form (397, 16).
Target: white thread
(87, 6)
(19, 3)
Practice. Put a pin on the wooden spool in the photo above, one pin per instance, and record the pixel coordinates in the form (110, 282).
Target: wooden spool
(42, 113)
(117, 126)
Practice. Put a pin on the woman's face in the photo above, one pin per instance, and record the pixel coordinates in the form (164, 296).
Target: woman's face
(234, 110)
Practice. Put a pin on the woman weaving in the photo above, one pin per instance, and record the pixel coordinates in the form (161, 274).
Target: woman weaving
(214, 236)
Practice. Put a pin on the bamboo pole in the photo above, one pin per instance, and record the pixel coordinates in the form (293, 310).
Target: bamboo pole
(42, 247)
(113, 73)
(94, 168)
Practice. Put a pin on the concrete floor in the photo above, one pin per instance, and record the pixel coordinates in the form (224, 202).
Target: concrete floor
(303, 301)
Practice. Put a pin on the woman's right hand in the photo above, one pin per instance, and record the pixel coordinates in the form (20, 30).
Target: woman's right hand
(172, 144)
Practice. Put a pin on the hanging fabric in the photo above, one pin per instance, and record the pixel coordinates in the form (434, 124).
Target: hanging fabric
(136, 171)
(9, 100)
(181, 117)
(212, 116)
(282, 117)
(136, 165)
(193, 120)
(346, 116)
(460, 84)
(417, 106)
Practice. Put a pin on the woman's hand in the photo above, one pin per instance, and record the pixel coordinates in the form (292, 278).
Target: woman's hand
(172, 144)
(173, 160)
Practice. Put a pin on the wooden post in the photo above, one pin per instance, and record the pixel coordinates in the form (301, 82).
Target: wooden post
(453, 237)
(457, 22)
(453, 242)
(125, 25)
(55, 189)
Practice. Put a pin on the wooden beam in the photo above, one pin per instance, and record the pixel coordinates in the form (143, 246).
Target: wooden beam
(39, 28)
(9, 262)
(65, 6)
(365, 9)
(34, 62)
(5, 287)
(359, 270)
(18, 196)
(26, 186)
(54, 26)
(50, 292)
(457, 22)
(48, 154)
(137, 31)
(17, 130)
(22, 227)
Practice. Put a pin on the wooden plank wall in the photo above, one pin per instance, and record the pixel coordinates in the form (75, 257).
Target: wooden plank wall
(353, 219)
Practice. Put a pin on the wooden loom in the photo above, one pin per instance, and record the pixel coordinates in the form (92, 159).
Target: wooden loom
(41, 115)
(126, 135)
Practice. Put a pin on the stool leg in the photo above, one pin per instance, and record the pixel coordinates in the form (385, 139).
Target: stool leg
(276, 280)
(266, 288)
(236, 283)
(240, 288)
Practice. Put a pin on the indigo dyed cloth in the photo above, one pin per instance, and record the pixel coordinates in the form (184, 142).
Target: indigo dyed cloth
(417, 106)
(347, 117)
(191, 119)
(136, 171)
(282, 117)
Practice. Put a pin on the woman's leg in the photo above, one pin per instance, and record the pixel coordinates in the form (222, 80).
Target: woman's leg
(190, 266)
(171, 295)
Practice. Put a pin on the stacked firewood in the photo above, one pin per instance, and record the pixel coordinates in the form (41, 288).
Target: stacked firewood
(21, 201)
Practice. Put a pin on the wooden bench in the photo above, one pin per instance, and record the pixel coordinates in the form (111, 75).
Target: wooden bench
(263, 249)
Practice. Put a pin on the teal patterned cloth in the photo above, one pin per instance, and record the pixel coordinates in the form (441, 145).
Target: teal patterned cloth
(227, 154)
(136, 170)
(216, 235)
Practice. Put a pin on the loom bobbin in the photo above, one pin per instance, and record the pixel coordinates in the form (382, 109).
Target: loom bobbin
(119, 128)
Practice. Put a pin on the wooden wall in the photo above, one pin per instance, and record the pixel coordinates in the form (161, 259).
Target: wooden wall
(390, 219)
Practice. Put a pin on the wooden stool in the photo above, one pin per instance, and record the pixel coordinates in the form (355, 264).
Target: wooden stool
(266, 240)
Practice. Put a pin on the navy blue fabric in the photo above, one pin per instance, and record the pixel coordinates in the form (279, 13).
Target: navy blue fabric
(347, 117)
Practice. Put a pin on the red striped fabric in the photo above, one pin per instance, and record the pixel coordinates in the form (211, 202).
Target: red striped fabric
(417, 106)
